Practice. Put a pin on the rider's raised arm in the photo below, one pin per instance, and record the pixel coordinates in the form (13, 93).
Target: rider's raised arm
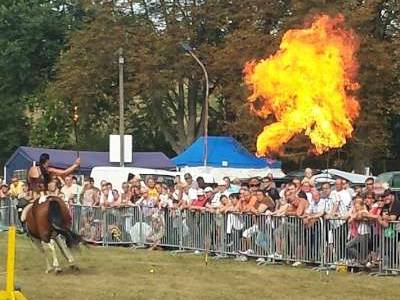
(66, 172)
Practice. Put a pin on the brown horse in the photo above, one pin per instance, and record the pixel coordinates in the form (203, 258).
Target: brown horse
(49, 221)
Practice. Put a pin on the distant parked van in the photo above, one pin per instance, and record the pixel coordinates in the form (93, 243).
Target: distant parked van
(117, 175)
(391, 178)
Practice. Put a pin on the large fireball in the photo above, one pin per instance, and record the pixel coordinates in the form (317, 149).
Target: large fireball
(307, 86)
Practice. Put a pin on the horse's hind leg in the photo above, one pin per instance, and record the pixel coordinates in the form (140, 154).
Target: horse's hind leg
(56, 264)
(39, 245)
(66, 252)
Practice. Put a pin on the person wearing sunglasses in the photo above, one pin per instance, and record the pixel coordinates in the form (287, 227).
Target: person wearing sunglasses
(254, 185)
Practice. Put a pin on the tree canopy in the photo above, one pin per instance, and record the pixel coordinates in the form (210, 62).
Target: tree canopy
(57, 54)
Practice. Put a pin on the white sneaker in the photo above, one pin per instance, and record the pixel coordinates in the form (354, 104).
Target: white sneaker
(260, 259)
(241, 258)
(369, 264)
(296, 264)
(197, 252)
(247, 252)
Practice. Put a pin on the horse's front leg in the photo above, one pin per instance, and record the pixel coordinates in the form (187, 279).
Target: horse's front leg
(66, 253)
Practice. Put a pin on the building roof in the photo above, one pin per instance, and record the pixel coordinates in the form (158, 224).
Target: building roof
(90, 159)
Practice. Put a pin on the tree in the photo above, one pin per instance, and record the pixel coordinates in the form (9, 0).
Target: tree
(32, 34)
(378, 75)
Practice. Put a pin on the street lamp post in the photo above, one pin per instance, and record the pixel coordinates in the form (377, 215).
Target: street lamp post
(189, 50)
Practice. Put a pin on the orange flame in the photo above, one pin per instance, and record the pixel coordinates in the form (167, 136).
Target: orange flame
(307, 86)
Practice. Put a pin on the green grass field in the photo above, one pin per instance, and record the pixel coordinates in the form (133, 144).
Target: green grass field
(122, 273)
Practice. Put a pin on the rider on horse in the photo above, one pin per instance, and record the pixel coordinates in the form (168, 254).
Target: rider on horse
(39, 176)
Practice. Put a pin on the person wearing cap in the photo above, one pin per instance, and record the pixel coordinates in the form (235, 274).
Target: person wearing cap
(391, 208)
(209, 193)
(216, 200)
(200, 202)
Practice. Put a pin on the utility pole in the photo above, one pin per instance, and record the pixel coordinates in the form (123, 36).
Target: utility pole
(121, 107)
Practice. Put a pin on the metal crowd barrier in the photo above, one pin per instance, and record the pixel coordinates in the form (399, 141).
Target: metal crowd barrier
(326, 243)
(390, 248)
(8, 213)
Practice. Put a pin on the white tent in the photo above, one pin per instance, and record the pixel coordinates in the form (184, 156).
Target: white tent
(329, 175)
(211, 174)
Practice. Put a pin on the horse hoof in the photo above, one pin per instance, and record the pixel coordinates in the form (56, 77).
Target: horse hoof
(74, 268)
(58, 271)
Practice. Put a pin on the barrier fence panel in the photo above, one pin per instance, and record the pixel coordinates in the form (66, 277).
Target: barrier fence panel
(326, 242)
(4, 213)
(9, 213)
(390, 247)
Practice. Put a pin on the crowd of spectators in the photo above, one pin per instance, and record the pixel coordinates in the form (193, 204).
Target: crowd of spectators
(300, 197)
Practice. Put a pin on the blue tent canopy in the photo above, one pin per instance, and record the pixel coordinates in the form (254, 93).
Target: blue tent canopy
(222, 152)
(23, 158)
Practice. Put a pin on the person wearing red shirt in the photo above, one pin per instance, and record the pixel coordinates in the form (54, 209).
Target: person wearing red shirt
(200, 202)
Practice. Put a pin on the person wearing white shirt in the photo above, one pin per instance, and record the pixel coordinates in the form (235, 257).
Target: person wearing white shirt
(70, 191)
(106, 196)
(342, 199)
(327, 198)
(316, 208)
(216, 200)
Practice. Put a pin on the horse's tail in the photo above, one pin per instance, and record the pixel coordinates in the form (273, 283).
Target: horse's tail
(57, 222)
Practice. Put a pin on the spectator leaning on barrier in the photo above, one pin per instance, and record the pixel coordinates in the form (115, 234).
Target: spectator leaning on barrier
(326, 192)
(298, 205)
(90, 194)
(247, 200)
(216, 200)
(69, 190)
(359, 231)
(190, 187)
(316, 209)
(200, 202)
(106, 197)
(342, 200)
(390, 209)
